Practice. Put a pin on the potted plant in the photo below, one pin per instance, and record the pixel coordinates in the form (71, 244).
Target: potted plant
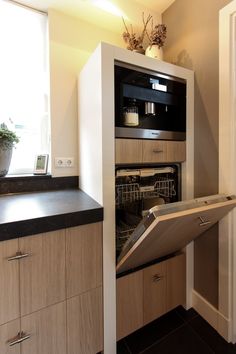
(156, 39)
(134, 42)
(8, 139)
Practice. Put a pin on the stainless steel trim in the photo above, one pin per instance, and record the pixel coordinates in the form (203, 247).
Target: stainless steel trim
(150, 72)
(156, 151)
(21, 337)
(204, 222)
(138, 133)
(157, 277)
(18, 255)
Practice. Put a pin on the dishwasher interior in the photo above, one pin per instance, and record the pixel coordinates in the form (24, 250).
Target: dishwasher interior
(138, 189)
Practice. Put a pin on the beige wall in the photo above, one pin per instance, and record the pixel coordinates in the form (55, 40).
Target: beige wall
(71, 41)
(192, 42)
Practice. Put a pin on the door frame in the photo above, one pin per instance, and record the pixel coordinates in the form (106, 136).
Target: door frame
(227, 169)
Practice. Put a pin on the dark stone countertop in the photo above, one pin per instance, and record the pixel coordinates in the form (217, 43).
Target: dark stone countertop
(32, 213)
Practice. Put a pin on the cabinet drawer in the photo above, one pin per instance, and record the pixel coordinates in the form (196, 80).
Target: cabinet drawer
(164, 151)
(129, 303)
(47, 330)
(154, 292)
(9, 281)
(42, 273)
(128, 151)
(176, 281)
(8, 333)
(85, 323)
(83, 258)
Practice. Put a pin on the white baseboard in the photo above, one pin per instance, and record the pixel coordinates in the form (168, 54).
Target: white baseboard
(212, 315)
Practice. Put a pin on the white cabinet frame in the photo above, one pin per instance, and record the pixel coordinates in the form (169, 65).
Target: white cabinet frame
(227, 170)
(97, 157)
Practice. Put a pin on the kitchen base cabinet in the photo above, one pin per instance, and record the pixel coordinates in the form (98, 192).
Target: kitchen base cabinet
(128, 151)
(47, 330)
(176, 282)
(42, 273)
(85, 323)
(149, 293)
(149, 151)
(129, 303)
(8, 333)
(154, 292)
(83, 258)
(9, 282)
(38, 276)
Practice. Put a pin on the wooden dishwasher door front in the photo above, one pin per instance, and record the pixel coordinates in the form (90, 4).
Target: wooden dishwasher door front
(171, 232)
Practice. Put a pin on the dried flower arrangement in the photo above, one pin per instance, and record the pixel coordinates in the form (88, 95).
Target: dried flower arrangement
(157, 35)
(134, 42)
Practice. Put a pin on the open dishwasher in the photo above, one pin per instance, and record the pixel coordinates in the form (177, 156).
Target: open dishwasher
(152, 222)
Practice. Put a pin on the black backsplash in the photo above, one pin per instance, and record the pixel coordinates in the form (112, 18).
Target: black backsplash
(24, 184)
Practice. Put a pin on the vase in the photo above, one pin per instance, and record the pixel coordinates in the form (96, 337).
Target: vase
(153, 51)
(139, 50)
(5, 160)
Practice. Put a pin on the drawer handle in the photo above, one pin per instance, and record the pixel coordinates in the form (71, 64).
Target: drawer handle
(21, 337)
(157, 151)
(204, 222)
(18, 255)
(156, 278)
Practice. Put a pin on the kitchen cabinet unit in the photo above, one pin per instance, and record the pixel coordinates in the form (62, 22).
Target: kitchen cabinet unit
(154, 292)
(164, 151)
(129, 303)
(8, 335)
(84, 322)
(41, 275)
(128, 150)
(106, 150)
(47, 330)
(176, 282)
(149, 151)
(42, 272)
(83, 258)
(9, 282)
(147, 294)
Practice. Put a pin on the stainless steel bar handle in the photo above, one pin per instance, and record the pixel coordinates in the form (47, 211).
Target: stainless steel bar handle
(157, 151)
(204, 222)
(18, 255)
(21, 337)
(156, 277)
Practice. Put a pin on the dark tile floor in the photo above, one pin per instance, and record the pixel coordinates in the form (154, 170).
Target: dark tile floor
(177, 332)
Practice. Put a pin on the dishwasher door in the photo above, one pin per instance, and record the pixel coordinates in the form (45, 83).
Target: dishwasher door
(168, 228)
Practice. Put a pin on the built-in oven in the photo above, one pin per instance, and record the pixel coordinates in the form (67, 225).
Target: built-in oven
(149, 105)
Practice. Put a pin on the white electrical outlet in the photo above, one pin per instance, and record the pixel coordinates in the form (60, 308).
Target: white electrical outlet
(64, 162)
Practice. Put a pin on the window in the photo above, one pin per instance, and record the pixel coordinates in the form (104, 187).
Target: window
(24, 83)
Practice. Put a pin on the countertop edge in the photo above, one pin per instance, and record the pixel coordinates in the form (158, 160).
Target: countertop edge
(54, 221)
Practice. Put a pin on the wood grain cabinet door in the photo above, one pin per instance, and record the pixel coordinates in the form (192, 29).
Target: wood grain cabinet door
(47, 330)
(85, 323)
(158, 151)
(128, 151)
(42, 273)
(129, 303)
(83, 258)
(154, 292)
(176, 281)
(8, 335)
(9, 281)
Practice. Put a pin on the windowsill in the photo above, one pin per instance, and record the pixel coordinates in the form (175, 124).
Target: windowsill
(26, 175)
(36, 183)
